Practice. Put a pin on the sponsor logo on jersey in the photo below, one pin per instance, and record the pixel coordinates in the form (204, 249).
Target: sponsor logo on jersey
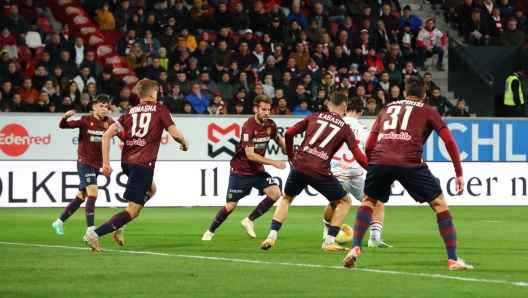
(95, 132)
(246, 137)
(235, 191)
(105, 125)
(136, 142)
(260, 140)
(268, 130)
(90, 175)
(313, 151)
(394, 136)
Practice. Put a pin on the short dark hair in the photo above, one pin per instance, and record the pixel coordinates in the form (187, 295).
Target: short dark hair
(262, 98)
(338, 98)
(101, 98)
(437, 88)
(518, 67)
(415, 87)
(354, 104)
(428, 74)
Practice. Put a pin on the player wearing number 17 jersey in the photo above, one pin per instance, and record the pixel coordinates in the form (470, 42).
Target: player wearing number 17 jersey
(325, 134)
(394, 149)
(143, 126)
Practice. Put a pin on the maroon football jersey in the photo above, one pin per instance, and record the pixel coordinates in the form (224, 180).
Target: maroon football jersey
(256, 136)
(325, 133)
(143, 126)
(91, 130)
(403, 127)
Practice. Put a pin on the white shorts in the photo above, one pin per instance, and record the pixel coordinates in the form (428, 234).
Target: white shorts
(355, 186)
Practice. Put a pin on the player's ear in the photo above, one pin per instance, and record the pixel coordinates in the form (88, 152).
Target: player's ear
(404, 94)
(255, 109)
(424, 96)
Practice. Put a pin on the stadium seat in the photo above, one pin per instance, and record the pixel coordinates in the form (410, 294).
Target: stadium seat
(212, 36)
(39, 51)
(113, 37)
(24, 53)
(234, 36)
(334, 26)
(30, 67)
(46, 25)
(305, 11)
(17, 63)
(256, 37)
(33, 39)
(396, 13)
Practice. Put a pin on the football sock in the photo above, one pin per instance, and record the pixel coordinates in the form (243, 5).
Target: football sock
(89, 209)
(363, 219)
(275, 227)
(117, 221)
(448, 233)
(332, 233)
(375, 230)
(220, 217)
(262, 208)
(326, 226)
(70, 209)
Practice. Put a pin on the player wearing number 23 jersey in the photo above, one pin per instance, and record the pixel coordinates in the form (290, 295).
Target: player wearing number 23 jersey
(325, 134)
(143, 126)
(394, 149)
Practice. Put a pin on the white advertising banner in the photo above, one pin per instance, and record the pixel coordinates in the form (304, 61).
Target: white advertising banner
(189, 183)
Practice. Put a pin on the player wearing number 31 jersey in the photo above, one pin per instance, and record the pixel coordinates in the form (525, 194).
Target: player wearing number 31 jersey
(394, 149)
(325, 134)
(143, 126)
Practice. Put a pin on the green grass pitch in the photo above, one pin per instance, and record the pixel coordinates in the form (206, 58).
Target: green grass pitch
(164, 256)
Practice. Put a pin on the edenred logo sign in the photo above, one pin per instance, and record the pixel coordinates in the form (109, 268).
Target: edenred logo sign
(213, 129)
(15, 140)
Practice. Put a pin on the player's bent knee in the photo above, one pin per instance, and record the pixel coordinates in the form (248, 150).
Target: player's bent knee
(368, 201)
(153, 189)
(92, 190)
(439, 204)
(230, 206)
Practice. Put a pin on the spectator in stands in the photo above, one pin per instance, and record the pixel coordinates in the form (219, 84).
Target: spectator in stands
(438, 101)
(393, 56)
(371, 109)
(65, 105)
(78, 51)
(28, 93)
(84, 105)
(40, 77)
(105, 18)
(124, 95)
(42, 103)
(292, 35)
(496, 23)
(384, 82)
(202, 55)
(136, 25)
(225, 87)
(198, 99)
(459, 110)
(7, 91)
(409, 69)
(192, 70)
(151, 24)
(60, 81)
(391, 22)
(201, 15)
(164, 85)
(106, 82)
(174, 100)
(298, 96)
(16, 104)
(244, 83)
(16, 24)
(374, 60)
(407, 42)
(181, 13)
(301, 57)
(126, 43)
(188, 40)
(463, 13)
(521, 20)
(4, 61)
(426, 42)
(506, 8)
(65, 37)
(122, 15)
(281, 108)
(322, 20)
(55, 48)
(275, 30)
(267, 86)
(68, 67)
(381, 98)
(302, 109)
(53, 92)
(270, 69)
(168, 39)
(414, 21)
(394, 94)
(240, 97)
(366, 82)
(296, 15)
(384, 38)
(149, 45)
(429, 84)
(160, 11)
(512, 37)
(240, 19)
(152, 72)
(475, 26)
(212, 109)
(207, 86)
(135, 59)
(187, 108)
(89, 61)
(73, 92)
(368, 15)
(8, 42)
(222, 18)
(395, 75)
(185, 85)
(14, 75)
(328, 84)
(83, 79)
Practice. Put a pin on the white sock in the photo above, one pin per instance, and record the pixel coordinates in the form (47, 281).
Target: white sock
(273, 234)
(326, 225)
(329, 239)
(60, 222)
(375, 230)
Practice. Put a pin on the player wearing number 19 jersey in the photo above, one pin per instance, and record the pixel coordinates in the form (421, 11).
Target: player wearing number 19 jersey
(247, 168)
(394, 149)
(143, 126)
(325, 134)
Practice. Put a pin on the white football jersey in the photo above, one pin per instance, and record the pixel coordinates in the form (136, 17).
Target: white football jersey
(344, 165)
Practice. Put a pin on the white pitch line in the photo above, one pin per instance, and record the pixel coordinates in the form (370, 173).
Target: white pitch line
(496, 281)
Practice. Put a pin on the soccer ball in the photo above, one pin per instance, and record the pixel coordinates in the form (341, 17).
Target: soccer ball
(346, 234)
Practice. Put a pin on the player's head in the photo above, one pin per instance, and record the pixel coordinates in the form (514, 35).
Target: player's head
(147, 90)
(415, 87)
(338, 102)
(354, 107)
(100, 105)
(262, 107)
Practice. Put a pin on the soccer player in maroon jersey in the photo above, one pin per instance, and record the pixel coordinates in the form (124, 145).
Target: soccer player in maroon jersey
(394, 149)
(325, 134)
(247, 168)
(89, 161)
(143, 126)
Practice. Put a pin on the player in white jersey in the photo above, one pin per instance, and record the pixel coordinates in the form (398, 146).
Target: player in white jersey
(352, 176)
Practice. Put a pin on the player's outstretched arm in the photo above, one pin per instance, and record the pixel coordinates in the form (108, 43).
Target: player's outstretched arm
(369, 145)
(178, 137)
(108, 135)
(64, 123)
(452, 149)
(254, 157)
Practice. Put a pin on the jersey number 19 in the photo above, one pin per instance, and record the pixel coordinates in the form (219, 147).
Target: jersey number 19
(144, 123)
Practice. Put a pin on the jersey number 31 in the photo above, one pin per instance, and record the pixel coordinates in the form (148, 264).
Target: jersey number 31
(394, 113)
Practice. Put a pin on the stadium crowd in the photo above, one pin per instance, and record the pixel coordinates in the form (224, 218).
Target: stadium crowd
(213, 57)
